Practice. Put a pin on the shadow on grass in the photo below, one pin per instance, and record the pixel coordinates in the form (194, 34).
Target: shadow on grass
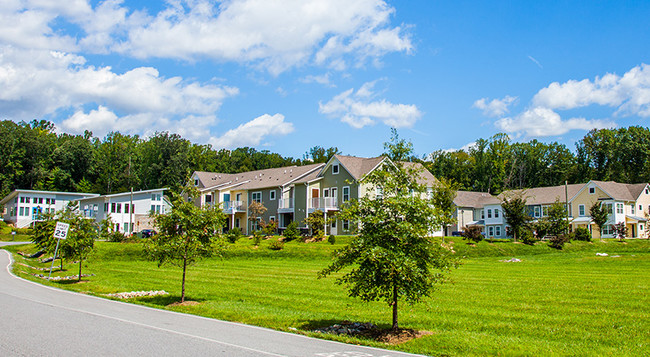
(164, 300)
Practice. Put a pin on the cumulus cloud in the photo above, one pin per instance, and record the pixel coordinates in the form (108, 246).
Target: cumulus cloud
(254, 132)
(629, 94)
(495, 107)
(540, 121)
(323, 79)
(358, 109)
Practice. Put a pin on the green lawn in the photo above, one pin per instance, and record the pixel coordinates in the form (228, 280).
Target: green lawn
(569, 302)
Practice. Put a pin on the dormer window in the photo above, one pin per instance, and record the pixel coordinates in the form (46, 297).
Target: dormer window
(196, 182)
(592, 190)
(335, 169)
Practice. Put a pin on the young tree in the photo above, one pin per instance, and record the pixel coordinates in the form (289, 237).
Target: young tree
(514, 211)
(558, 223)
(185, 235)
(255, 212)
(393, 257)
(442, 198)
(599, 215)
(620, 230)
(473, 233)
(316, 223)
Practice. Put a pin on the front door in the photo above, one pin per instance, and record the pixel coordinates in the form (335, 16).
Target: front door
(333, 227)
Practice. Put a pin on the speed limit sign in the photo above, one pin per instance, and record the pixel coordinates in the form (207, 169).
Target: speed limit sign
(61, 230)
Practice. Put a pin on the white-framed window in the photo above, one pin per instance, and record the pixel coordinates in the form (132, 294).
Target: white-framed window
(640, 208)
(236, 222)
(326, 192)
(608, 229)
(105, 206)
(272, 195)
(119, 208)
(126, 208)
(592, 190)
(346, 225)
(632, 208)
(640, 227)
(335, 169)
(22, 200)
(27, 199)
(497, 231)
(238, 197)
(196, 182)
(536, 211)
(335, 193)
(346, 193)
(482, 214)
(619, 208)
(379, 192)
(256, 197)
(53, 201)
(491, 231)
(113, 207)
(489, 213)
(334, 223)
(272, 218)
(208, 198)
(496, 213)
(21, 211)
(647, 191)
(544, 211)
(581, 210)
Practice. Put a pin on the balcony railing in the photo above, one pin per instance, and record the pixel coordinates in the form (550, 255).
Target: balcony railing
(324, 203)
(286, 204)
(234, 206)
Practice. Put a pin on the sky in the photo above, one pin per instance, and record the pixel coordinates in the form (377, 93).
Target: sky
(288, 75)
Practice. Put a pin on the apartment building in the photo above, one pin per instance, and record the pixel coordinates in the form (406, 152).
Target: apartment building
(24, 207)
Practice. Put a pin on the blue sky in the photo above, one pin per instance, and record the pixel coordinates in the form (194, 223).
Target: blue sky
(288, 75)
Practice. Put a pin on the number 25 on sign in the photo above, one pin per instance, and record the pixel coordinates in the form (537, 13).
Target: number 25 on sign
(61, 230)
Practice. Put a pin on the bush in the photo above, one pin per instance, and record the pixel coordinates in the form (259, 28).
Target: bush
(558, 241)
(582, 234)
(291, 232)
(276, 245)
(319, 234)
(473, 233)
(527, 237)
(116, 237)
(270, 228)
(27, 231)
(331, 239)
(257, 237)
(233, 235)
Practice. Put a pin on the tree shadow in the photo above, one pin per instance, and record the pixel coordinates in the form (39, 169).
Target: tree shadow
(164, 300)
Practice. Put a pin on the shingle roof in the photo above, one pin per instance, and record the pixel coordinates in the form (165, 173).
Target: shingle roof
(545, 195)
(425, 177)
(256, 179)
(621, 191)
(359, 166)
(474, 199)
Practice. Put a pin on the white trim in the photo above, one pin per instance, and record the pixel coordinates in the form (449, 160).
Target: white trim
(272, 195)
(337, 169)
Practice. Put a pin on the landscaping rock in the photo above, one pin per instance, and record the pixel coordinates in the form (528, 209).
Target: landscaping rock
(602, 254)
(134, 294)
(513, 260)
(348, 328)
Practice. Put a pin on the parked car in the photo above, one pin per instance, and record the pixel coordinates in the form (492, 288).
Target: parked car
(146, 233)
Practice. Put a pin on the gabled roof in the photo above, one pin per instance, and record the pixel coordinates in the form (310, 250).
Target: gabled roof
(357, 166)
(621, 191)
(546, 195)
(14, 193)
(425, 177)
(257, 179)
(474, 199)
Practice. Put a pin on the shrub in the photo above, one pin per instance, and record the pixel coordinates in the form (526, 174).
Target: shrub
(558, 241)
(527, 237)
(331, 239)
(257, 237)
(27, 231)
(270, 227)
(233, 235)
(319, 234)
(116, 237)
(276, 245)
(291, 232)
(582, 234)
(473, 233)
(620, 231)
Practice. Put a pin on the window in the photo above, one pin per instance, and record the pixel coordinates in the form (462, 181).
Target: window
(237, 222)
(632, 208)
(496, 213)
(497, 231)
(581, 210)
(335, 169)
(95, 207)
(334, 223)
(113, 207)
(536, 211)
(208, 198)
(482, 214)
(640, 208)
(491, 231)
(117, 226)
(379, 192)
(647, 191)
(609, 208)
(272, 218)
(119, 208)
(22, 200)
(272, 195)
(26, 199)
(326, 192)
(47, 201)
(40, 200)
(346, 193)
(126, 208)
(196, 182)
(592, 190)
(105, 206)
(619, 208)
(346, 225)
(608, 229)
(153, 208)
(489, 213)
(544, 211)
(335, 193)
(53, 201)
(22, 211)
(640, 227)
(257, 197)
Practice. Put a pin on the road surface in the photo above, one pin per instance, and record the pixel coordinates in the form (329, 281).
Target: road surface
(37, 320)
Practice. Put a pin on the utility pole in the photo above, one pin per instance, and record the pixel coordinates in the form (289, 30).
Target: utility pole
(566, 198)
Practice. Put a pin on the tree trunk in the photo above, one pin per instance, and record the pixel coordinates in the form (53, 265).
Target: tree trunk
(80, 261)
(183, 286)
(61, 258)
(395, 326)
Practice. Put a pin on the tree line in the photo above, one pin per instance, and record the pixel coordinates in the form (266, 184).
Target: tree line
(497, 164)
(34, 156)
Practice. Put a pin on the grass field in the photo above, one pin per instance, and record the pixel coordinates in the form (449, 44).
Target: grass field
(569, 302)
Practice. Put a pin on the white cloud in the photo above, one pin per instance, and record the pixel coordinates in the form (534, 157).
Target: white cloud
(323, 79)
(358, 110)
(629, 94)
(495, 107)
(275, 35)
(254, 132)
(467, 147)
(541, 121)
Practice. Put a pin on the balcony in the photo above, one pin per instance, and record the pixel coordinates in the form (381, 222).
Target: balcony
(323, 204)
(286, 205)
(231, 207)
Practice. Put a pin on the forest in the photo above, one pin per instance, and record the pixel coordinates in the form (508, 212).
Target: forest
(33, 156)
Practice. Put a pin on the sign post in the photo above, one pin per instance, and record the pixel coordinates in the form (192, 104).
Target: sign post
(60, 232)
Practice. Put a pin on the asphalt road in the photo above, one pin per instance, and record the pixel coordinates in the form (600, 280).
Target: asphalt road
(37, 320)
